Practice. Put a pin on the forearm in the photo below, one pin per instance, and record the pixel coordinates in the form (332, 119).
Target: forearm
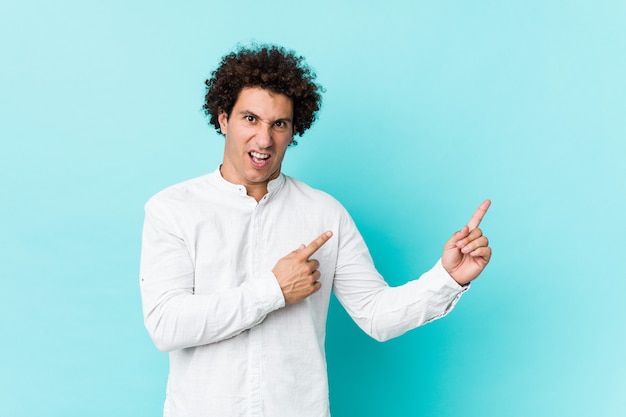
(178, 319)
(181, 309)
(415, 303)
(386, 312)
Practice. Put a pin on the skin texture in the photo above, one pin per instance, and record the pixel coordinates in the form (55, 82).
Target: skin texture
(467, 252)
(261, 122)
(298, 274)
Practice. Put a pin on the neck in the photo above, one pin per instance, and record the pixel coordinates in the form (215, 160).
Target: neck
(257, 192)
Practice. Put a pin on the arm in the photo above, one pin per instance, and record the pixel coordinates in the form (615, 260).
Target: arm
(384, 312)
(174, 315)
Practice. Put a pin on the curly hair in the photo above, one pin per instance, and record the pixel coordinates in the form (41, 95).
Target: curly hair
(270, 67)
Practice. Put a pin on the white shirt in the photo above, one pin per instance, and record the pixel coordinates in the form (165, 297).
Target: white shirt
(211, 300)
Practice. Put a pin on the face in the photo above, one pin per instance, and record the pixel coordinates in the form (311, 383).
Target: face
(258, 132)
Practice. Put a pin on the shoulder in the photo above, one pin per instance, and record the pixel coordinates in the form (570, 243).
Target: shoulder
(311, 203)
(184, 192)
(300, 191)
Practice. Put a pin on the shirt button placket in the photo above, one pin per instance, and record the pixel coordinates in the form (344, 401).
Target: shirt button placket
(256, 338)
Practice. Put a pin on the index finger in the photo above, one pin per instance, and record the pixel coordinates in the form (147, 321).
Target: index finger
(478, 215)
(316, 244)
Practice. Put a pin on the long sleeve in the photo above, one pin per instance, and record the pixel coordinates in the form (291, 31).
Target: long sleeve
(175, 315)
(210, 298)
(385, 312)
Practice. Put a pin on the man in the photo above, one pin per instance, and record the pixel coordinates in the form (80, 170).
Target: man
(229, 289)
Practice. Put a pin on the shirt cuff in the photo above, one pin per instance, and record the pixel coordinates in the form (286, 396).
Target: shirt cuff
(444, 279)
(269, 294)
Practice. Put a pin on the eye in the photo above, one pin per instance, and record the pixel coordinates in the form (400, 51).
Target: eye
(281, 124)
(249, 118)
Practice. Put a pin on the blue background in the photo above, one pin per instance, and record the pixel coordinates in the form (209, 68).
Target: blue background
(430, 108)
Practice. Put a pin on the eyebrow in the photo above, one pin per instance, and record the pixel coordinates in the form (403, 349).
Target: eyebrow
(251, 113)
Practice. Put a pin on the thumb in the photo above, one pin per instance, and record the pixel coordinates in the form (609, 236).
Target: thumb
(461, 234)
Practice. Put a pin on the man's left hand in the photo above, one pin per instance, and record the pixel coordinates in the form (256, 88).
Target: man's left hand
(467, 252)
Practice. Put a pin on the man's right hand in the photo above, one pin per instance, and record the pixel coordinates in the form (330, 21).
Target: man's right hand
(296, 274)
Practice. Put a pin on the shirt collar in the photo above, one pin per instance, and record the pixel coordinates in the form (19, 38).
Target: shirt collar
(273, 186)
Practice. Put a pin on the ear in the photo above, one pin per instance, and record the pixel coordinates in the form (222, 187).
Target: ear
(222, 118)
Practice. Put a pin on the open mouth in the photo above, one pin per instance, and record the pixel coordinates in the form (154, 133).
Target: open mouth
(259, 158)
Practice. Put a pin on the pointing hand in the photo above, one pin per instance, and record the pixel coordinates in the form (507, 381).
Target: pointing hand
(298, 275)
(467, 252)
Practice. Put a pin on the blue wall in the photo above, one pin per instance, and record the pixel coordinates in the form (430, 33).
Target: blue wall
(430, 108)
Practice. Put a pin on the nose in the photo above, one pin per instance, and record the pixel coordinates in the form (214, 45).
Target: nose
(264, 136)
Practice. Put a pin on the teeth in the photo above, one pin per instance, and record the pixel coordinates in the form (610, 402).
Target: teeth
(259, 155)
